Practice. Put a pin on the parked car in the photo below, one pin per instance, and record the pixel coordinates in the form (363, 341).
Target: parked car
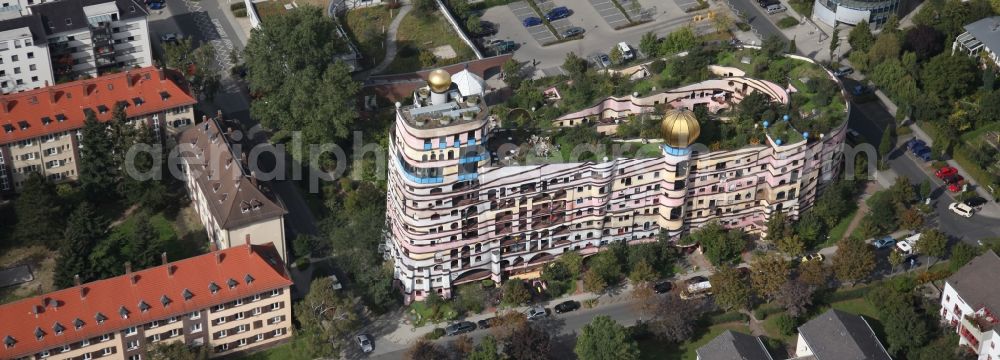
(954, 179)
(663, 287)
(566, 306)
(486, 28)
(945, 172)
(573, 31)
(460, 327)
(627, 53)
(765, 3)
(774, 9)
(955, 187)
(812, 257)
(605, 60)
(923, 154)
(914, 142)
(500, 46)
(169, 37)
(156, 5)
(536, 312)
(365, 343)
(531, 21)
(843, 71)
(884, 243)
(557, 13)
(485, 323)
(908, 245)
(962, 209)
(974, 202)
(695, 280)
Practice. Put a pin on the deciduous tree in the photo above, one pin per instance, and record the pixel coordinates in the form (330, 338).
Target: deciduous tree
(719, 244)
(641, 273)
(854, 260)
(485, 350)
(924, 41)
(674, 319)
(327, 316)
(861, 37)
(425, 350)
(814, 274)
(604, 339)
(834, 42)
(961, 254)
(795, 297)
(515, 293)
(730, 289)
(528, 343)
(767, 273)
(949, 77)
(177, 350)
(895, 259)
(649, 44)
(933, 243)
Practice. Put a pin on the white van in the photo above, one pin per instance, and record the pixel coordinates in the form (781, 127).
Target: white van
(962, 209)
(626, 51)
(774, 9)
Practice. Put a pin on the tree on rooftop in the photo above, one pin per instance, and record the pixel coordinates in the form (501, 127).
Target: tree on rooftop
(84, 229)
(861, 37)
(604, 339)
(98, 170)
(290, 66)
(40, 213)
(649, 44)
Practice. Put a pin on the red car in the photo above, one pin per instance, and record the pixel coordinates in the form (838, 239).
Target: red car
(954, 179)
(946, 172)
(955, 187)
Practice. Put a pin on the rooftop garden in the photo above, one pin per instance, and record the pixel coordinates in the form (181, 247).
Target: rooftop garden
(816, 106)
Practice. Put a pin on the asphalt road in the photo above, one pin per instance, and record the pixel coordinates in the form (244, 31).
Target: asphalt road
(207, 22)
(870, 120)
(563, 328)
(758, 19)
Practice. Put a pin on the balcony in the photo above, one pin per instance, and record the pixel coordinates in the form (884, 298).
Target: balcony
(974, 327)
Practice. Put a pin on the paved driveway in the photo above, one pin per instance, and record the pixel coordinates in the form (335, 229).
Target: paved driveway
(522, 11)
(610, 13)
(686, 4)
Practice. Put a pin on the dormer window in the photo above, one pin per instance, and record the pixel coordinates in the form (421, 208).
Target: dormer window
(213, 287)
(77, 324)
(165, 95)
(244, 207)
(123, 312)
(248, 279)
(143, 306)
(187, 294)
(58, 328)
(223, 198)
(164, 300)
(39, 334)
(216, 186)
(100, 318)
(101, 108)
(69, 21)
(9, 341)
(60, 117)
(46, 120)
(138, 100)
(8, 128)
(22, 124)
(232, 283)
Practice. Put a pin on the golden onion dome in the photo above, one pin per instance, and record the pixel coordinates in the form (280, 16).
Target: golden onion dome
(439, 80)
(679, 128)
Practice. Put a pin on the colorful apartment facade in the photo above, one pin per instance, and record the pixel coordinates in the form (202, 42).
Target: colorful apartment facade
(228, 300)
(457, 215)
(41, 128)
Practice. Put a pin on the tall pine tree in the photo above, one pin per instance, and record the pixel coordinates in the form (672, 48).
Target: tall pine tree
(148, 193)
(98, 170)
(39, 213)
(145, 243)
(84, 231)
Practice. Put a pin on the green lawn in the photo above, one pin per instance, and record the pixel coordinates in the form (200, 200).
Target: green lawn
(177, 247)
(425, 32)
(446, 312)
(652, 348)
(367, 26)
(838, 232)
(285, 351)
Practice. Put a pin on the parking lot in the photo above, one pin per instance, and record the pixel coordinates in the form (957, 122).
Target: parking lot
(540, 33)
(610, 13)
(686, 4)
(561, 24)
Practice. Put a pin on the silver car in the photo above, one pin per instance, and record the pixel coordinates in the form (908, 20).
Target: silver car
(365, 343)
(536, 312)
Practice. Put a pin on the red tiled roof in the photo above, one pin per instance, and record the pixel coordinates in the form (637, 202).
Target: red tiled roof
(63, 104)
(196, 274)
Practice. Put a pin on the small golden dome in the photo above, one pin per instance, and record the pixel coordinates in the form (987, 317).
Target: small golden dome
(439, 80)
(679, 128)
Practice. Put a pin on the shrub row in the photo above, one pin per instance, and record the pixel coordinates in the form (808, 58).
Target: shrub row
(766, 310)
(728, 317)
(240, 12)
(848, 294)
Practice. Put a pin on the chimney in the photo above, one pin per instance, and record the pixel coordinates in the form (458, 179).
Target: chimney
(128, 79)
(76, 280)
(6, 105)
(212, 247)
(218, 257)
(52, 95)
(160, 74)
(249, 247)
(128, 267)
(163, 257)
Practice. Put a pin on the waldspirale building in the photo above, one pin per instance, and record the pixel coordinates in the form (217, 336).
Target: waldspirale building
(457, 213)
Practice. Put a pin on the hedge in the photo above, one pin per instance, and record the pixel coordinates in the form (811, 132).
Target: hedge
(766, 310)
(848, 294)
(728, 317)
(437, 333)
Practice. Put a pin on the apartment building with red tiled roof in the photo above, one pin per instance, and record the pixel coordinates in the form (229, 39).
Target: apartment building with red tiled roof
(40, 129)
(229, 300)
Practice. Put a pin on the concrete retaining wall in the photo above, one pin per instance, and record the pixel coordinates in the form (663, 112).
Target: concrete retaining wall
(458, 29)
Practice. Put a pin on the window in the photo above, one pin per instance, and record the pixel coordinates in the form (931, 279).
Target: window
(238, 302)
(31, 55)
(276, 306)
(154, 324)
(276, 319)
(256, 297)
(275, 292)
(242, 328)
(219, 307)
(257, 311)
(196, 328)
(108, 351)
(175, 332)
(156, 337)
(85, 342)
(243, 342)
(239, 316)
(43, 354)
(195, 315)
(87, 356)
(135, 357)
(105, 337)
(223, 334)
(225, 347)
(65, 348)
(278, 332)
(133, 344)
(172, 320)
(130, 331)
(221, 320)
(260, 337)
